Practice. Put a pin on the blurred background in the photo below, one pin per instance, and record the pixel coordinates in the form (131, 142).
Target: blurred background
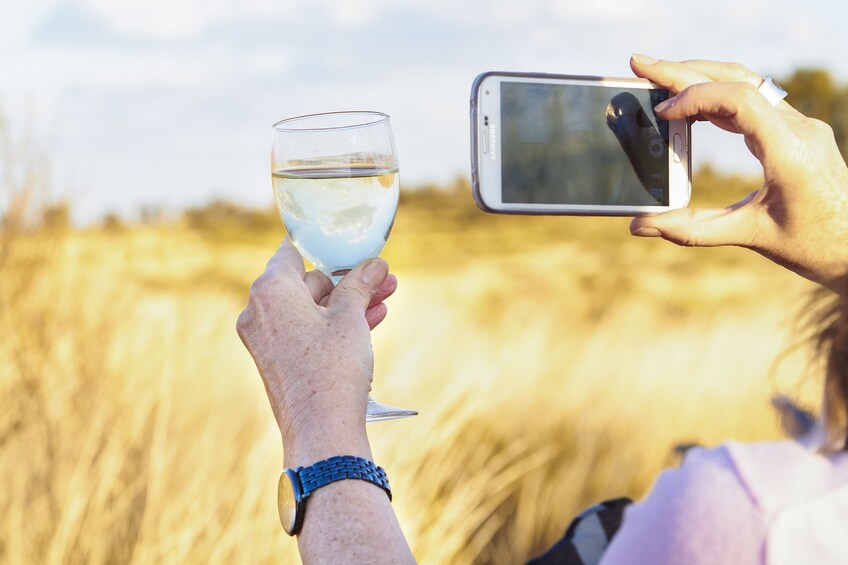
(555, 362)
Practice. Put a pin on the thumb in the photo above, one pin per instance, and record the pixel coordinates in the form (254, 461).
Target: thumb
(699, 227)
(357, 288)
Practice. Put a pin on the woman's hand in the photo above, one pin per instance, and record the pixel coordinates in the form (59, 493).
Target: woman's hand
(312, 345)
(799, 218)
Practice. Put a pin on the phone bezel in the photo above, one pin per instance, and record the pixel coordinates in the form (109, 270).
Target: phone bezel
(486, 172)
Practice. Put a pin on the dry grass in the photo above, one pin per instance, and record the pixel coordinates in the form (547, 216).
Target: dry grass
(555, 362)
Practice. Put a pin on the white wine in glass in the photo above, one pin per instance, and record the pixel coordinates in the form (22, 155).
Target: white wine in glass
(338, 216)
(336, 184)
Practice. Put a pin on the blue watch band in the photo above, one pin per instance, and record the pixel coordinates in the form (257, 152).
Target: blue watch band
(338, 468)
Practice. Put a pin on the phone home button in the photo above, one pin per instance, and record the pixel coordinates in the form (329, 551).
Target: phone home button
(678, 146)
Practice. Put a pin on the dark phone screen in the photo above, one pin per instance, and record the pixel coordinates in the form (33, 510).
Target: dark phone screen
(580, 144)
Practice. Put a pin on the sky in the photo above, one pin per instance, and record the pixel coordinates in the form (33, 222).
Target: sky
(169, 103)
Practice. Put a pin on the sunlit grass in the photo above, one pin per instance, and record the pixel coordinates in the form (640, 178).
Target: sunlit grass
(555, 362)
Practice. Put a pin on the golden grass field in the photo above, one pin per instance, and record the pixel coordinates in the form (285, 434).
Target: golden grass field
(555, 362)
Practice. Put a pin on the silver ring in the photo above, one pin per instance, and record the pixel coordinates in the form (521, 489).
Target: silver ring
(771, 90)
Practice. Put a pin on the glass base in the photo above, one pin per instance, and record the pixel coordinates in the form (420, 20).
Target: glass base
(378, 412)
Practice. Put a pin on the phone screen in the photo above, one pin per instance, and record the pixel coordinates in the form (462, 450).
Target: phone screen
(582, 144)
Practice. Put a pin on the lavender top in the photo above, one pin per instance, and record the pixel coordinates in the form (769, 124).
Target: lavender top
(768, 503)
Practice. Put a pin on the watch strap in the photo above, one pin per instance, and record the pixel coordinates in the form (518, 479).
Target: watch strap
(338, 468)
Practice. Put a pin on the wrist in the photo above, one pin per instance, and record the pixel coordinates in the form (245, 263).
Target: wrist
(315, 439)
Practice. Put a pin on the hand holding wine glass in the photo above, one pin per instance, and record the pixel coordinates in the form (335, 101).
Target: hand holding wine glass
(336, 183)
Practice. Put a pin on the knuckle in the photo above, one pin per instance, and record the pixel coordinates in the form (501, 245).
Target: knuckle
(324, 284)
(738, 70)
(764, 230)
(260, 285)
(681, 85)
(244, 321)
(691, 237)
(821, 128)
(359, 290)
(269, 283)
(264, 291)
(687, 232)
(747, 94)
(746, 90)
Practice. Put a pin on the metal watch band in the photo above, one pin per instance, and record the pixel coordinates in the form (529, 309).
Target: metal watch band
(341, 467)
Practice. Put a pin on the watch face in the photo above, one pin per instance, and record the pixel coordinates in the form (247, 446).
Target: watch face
(287, 501)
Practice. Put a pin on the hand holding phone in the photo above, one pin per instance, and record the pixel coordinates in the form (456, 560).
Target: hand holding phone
(797, 217)
(562, 144)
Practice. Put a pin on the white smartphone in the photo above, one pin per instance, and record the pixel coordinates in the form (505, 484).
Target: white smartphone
(575, 145)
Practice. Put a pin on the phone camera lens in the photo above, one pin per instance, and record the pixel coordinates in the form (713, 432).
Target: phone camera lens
(656, 149)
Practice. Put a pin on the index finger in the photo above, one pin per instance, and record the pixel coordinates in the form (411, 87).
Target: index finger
(287, 257)
(669, 74)
(679, 75)
(730, 72)
(735, 104)
(723, 72)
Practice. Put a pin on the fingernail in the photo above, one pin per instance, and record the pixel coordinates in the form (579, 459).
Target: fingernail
(375, 273)
(646, 232)
(664, 105)
(643, 59)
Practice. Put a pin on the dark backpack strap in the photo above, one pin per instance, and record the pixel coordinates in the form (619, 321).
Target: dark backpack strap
(588, 536)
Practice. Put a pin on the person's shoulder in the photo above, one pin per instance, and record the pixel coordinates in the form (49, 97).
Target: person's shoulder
(697, 513)
(803, 494)
(777, 474)
(733, 502)
(706, 481)
(731, 453)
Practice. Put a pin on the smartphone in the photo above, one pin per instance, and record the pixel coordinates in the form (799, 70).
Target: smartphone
(575, 145)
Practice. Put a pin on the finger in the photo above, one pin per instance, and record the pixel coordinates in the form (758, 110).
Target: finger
(376, 314)
(731, 72)
(319, 285)
(736, 106)
(386, 289)
(724, 72)
(669, 74)
(695, 71)
(287, 257)
(699, 227)
(358, 287)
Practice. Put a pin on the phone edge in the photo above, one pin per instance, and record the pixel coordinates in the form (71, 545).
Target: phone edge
(475, 179)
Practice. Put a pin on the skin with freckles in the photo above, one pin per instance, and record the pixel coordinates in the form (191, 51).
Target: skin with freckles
(312, 342)
(312, 345)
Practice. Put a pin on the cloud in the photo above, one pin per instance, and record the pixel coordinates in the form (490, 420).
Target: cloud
(186, 20)
(158, 19)
(182, 92)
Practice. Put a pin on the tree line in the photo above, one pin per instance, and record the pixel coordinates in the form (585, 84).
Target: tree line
(813, 91)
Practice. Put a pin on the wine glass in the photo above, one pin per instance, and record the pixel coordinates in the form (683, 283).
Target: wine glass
(336, 184)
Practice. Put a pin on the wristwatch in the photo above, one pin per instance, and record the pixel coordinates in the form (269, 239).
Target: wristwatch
(296, 485)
